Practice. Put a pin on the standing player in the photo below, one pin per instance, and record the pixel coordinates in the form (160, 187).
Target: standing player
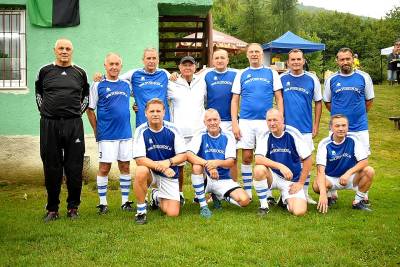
(62, 92)
(112, 129)
(147, 83)
(213, 152)
(342, 163)
(300, 89)
(158, 150)
(187, 95)
(351, 93)
(256, 87)
(219, 81)
(279, 156)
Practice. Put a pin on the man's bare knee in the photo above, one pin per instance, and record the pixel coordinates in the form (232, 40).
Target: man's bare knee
(259, 172)
(197, 169)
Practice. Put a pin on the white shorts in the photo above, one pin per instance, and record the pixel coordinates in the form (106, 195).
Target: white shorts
(278, 182)
(168, 187)
(337, 186)
(363, 136)
(111, 151)
(250, 129)
(226, 126)
(307, 137)
(220, 187)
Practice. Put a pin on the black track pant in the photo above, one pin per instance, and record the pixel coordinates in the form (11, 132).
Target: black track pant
(62, 147)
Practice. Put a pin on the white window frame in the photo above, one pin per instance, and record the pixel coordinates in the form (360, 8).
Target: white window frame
(16, 85)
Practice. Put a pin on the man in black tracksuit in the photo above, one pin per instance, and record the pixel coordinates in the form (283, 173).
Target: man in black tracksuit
(62, 94)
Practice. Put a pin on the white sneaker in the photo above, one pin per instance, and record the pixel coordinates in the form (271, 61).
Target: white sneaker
(310, 200)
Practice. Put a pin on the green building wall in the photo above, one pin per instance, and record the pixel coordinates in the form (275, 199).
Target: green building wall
(122, 26)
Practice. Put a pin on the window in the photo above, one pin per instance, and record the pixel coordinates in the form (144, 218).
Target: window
(12, 49)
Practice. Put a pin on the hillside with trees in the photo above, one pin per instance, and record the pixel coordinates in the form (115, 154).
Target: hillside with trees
(264, 20)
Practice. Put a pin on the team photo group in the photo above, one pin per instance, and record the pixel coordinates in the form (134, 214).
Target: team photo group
(208, 119)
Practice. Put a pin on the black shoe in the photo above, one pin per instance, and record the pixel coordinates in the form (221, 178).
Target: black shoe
(195, 200)
(103, 209)
(182, 200)
(262, 212)
(153, 202)
(141, 218)
(331, 201)
(281, 204)
(73, 214)
(127, 206)
(51, 216)
(271, 201)
(216, 202)
(361, 206)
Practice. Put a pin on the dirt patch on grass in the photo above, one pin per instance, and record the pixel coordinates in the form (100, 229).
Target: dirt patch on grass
(20, 160)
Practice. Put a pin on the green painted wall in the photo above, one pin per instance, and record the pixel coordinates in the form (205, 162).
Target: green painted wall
(122, 26)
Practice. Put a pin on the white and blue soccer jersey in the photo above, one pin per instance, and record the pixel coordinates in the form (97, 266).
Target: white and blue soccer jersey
(220, 147)
(347, 95)
(339, 158)
(219, 91)
(256, 86)
(160, 145)
(288, 149)
(146, 86)
(111, 99)
(299, 91)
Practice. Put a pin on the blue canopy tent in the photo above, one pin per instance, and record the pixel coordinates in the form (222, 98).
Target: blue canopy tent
(287, 42)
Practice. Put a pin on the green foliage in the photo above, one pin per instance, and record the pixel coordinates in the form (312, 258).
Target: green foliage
(232, 237)
(263, 21)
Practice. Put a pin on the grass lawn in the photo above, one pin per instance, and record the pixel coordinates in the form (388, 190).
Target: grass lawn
(233, 236)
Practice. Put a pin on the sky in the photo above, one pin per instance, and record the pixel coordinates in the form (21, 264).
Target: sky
(368, 8)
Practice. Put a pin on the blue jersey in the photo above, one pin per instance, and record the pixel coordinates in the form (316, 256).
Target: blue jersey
(299, 91)
(111, 99)
(256, 88)
(339, 158)
(209, 147)
(161, 145)
(219, 91)
(288, 149)
(146, 86)
(347, 95)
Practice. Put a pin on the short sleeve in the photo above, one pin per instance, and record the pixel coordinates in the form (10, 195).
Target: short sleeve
(93, 95)
(359, 150)
(195, 143)
(139, 147)
(262, 144)
(321, 154)
(317, 89)
(327, 91)
(369, 88)
(230, 151)
(277, 80)
(127, 76)
(236, 86)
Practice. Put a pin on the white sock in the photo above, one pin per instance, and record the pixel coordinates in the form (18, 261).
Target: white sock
(125, 185)
(102, 182)
(198, 186)
(261, 188)
(141, 208)
(359, 196)
(155, 192)
(306, 184)
(232, 201)
(247, 177)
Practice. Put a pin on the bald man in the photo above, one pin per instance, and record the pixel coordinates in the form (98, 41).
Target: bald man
(112, 128)
(278, 164)
(62, 94)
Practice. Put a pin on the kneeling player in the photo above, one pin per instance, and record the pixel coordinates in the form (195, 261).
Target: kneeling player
(158, 149)
(342, 163)
(279, 154)
(213, 152)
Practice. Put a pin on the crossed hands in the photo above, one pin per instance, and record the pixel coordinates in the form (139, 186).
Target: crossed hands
(211, 167)
(163, 166)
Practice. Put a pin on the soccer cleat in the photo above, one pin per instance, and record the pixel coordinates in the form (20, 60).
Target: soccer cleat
(271, 201)
(263, 211)
(73, 214)
(153, 202)
(205, 212)
(216, 202)
(51, 216)
(127, 206)
(331, 201)
(310, 200)
(361, 206)
(281, 204)
(103, 209)
(141, 218)
(182, 200)
(195, 200)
